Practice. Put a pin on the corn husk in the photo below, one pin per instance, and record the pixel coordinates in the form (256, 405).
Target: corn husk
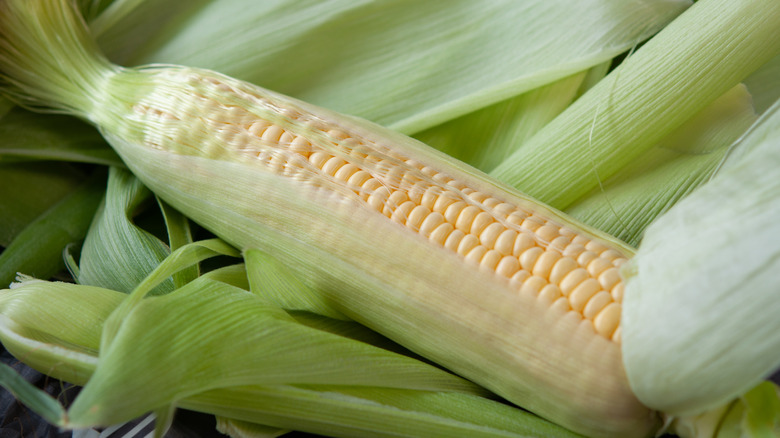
(114, 243)
(755, 414)
(376, 391)
(404, 64)
(699, 318)
(627, 203)
(708, 50)
(486, 137)
(764, 86)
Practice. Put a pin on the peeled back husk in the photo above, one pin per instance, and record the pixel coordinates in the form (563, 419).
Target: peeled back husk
(701, 310)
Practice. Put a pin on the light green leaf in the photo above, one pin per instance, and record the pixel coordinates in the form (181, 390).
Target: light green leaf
(394, 410)
(406, 64)
(275, 282)
(244, 429)
(628, 202)
(180, 260)
(762, 411)
(179, 234)
(234, 275)
(755, 414)
(377, 412)
(764, 85)
(487, 137)
(711, 264)
(237, 340)
(698, 57)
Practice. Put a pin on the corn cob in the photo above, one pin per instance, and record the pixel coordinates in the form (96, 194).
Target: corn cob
(424, 249)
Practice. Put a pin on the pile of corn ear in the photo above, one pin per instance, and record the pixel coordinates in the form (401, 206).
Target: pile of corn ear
(514, 218)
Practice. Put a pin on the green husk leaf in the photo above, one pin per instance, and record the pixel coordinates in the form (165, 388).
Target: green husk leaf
(711, 264)
(55, 327)
(28, 190)
(487, 137)
(762, 411)
(405, 64)
(179, 234)
(5, 106)
(708, 50)
(28, 136)
(178, 261)
(755, 414)
(275, 282)
(34, 398)
(628, 202)
(245, 429)
(38, 249)
(117, 254)
(248, 343)
(347, 410)
(92, 8)
(380, 412)
(163, 420)
(234, 275)
(764, 85)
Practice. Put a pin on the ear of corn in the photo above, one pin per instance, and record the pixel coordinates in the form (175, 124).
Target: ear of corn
(402, 238)
(351, 236)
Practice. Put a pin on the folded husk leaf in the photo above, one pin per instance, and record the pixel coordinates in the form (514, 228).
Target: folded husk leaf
(38, 249)
(117, 254)
(256, 344)
(700, 311)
